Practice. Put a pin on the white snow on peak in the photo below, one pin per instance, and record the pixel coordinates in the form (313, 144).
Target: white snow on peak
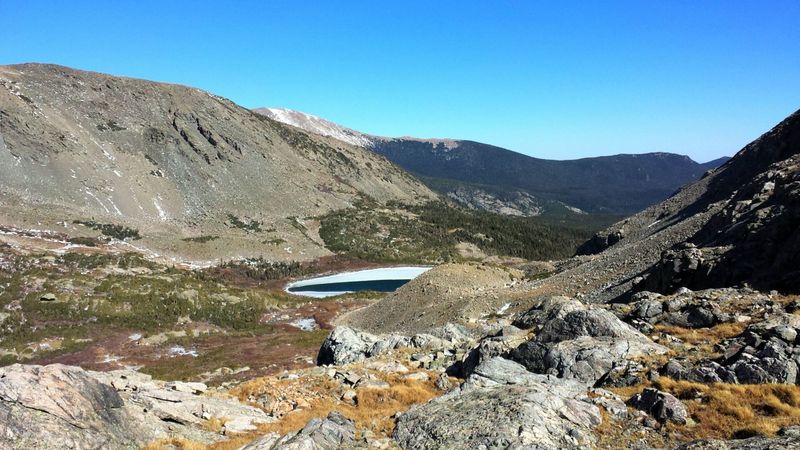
(316, 125)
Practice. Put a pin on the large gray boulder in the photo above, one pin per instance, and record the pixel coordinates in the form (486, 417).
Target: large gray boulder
(586, 359)
(594, 322)
(345, 345)
(579, 342)
(662, 406)
(501, 405)
(487, 349)
(545, 310)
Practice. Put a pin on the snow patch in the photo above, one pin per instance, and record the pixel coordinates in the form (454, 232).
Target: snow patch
(305, 324)
(179, 350)
(98, 200)
(107, 359)
(161, 213)
(316, 125)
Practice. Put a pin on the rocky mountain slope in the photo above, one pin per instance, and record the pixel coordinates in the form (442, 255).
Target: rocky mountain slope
(486, 177)
(173, 162)
(738, 225)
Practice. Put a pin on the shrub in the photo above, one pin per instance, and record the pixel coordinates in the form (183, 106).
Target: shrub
(119, 232)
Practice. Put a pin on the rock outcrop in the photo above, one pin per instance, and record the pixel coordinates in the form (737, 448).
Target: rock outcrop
(346, 345)
(766, 352)
(787, 439)
(502, 405)
(735, 226)
(662, 406)
(578, 342)
(57, 406)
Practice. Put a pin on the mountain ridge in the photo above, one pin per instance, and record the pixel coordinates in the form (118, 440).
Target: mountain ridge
(521, 184)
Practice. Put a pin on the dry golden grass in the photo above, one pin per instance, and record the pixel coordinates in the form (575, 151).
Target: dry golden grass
(736, 410)
(174, 443)
(615, 435)
(785, 299)
(727, 411)
(179, 443)
(699, 336)
(704, 339)
(214, 424)
(373, 409)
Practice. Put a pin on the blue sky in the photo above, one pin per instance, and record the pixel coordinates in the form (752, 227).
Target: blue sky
(551, 79)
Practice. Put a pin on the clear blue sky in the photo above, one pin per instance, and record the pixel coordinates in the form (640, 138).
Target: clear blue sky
(551, 79)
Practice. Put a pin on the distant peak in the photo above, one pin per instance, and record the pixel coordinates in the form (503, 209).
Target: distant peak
(316, 125)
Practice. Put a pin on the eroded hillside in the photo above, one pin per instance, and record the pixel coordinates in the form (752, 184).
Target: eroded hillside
(173, 162)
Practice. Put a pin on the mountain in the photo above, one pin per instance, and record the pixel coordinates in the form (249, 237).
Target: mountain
(174, 163)
(487, 177)
(737, 226)
(713, 164)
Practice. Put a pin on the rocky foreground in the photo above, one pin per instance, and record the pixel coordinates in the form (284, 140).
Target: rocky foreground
(560, 375)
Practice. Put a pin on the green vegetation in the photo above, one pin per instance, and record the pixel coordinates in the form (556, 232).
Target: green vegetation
(263, 270)
(252, 226)
(201, 239)
(86, 241)
(120, 232)
(111, 124)
(276, 241)
(430, 233)
(103, 296)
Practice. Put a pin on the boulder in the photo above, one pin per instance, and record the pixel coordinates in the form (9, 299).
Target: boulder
(594, 321)
(763, 353)
(453, 333)
(501, 405)
(545, 310)
(488, 348)
(647, 309)
(586, 359)
(662, 406)
(693, 316)
(787, 439)
(579, 342)
(389, 343)
(345, 345)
